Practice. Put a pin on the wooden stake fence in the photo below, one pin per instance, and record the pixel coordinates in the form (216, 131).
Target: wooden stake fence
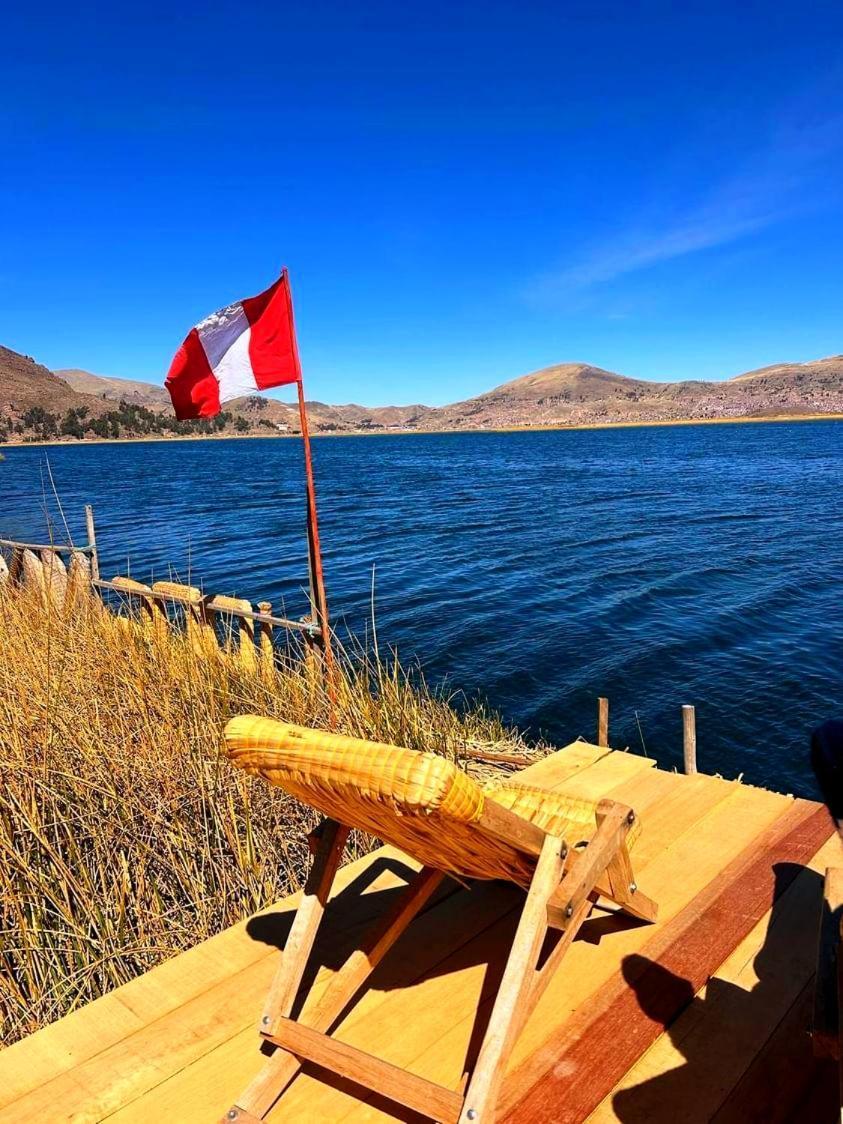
(163, 605)
(689, 732)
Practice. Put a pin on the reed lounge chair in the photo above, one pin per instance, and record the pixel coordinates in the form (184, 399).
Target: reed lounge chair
(564, 851)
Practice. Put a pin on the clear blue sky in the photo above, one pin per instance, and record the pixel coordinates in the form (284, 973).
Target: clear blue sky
(463, 192)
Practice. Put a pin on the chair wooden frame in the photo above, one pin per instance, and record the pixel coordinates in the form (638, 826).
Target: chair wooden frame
(564, 887)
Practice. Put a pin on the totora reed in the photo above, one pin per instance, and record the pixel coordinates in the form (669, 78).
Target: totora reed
(124, 838)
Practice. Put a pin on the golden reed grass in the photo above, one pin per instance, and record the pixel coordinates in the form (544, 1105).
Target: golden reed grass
(124, 836)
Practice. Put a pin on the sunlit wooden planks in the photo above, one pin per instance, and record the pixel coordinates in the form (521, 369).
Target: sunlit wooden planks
(723, 1058)
(460, 984)
(585, 969)
(652, 988)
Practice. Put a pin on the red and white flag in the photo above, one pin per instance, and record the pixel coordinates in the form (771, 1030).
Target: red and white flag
(242, 349)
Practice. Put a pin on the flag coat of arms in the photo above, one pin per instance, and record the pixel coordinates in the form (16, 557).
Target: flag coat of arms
(243, 349)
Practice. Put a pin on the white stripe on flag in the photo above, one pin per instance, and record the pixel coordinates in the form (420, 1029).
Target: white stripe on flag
(234, 370)
(218, 331)
(225, 336)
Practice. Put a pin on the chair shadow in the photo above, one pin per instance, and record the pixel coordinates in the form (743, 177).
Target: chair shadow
(352, 904)
(351, 914)
(731, 1012)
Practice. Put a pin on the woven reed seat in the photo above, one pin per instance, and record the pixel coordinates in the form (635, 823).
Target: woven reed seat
(566, 851)
(569, 817)
(420, 802)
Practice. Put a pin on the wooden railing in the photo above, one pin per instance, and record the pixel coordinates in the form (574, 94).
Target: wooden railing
(210, 620)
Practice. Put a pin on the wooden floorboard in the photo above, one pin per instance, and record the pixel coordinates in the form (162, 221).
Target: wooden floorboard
(652, 988)
(180, 1043)
(568, 762)
(708, 1052)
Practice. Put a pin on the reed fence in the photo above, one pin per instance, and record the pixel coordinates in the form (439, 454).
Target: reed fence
(214, 623)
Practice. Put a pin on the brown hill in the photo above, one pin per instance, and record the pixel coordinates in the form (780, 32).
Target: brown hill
(257, 410)
(117, 390)
(578, 394)
(35, 404)
(352, 416)
(264, 412)
(25, 384)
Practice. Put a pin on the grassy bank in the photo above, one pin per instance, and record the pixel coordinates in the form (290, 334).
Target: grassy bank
(547, 427)
(124, 838)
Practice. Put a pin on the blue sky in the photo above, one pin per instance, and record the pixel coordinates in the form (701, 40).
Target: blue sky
(462, 192)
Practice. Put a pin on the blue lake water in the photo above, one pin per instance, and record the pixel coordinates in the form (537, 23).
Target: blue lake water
(656, 566)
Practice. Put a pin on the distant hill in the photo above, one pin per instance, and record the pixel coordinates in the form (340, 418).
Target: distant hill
(821, 369)
(117, 390)
(579, 394)
(25, 384)
(35, 404)
(71, 403)
(256, 409)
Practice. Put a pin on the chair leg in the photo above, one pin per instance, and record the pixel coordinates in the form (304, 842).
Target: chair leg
(281, 1067)
(547, 971)
(604, 865)
(513, 1001)
(284, 987)
(623, 889)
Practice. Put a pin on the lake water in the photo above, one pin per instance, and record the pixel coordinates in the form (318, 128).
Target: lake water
(656, 566)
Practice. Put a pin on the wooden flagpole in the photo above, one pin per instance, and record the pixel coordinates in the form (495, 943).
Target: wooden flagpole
(317, 581)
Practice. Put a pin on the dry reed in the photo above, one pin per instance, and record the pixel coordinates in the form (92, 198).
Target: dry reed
(124, 837)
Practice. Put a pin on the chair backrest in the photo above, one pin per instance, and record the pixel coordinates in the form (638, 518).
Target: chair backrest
(420, 802)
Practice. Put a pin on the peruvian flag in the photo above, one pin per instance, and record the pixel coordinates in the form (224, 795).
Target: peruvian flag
(242, 349)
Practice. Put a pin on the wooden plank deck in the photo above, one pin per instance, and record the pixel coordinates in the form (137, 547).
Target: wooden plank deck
(700, 1017)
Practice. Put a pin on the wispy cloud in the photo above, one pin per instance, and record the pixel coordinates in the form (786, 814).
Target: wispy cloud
(783, 178)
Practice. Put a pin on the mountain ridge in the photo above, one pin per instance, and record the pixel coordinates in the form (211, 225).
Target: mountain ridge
(563, 394)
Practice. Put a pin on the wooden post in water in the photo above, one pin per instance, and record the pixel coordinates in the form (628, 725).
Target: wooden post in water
(603, 721)
(92, 541)
(689, 739)
(265, 641)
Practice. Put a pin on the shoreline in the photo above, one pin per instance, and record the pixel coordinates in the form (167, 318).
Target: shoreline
(545, 428)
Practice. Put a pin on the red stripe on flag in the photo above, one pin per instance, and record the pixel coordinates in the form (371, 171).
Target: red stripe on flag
(193, 388)
(272, 342)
